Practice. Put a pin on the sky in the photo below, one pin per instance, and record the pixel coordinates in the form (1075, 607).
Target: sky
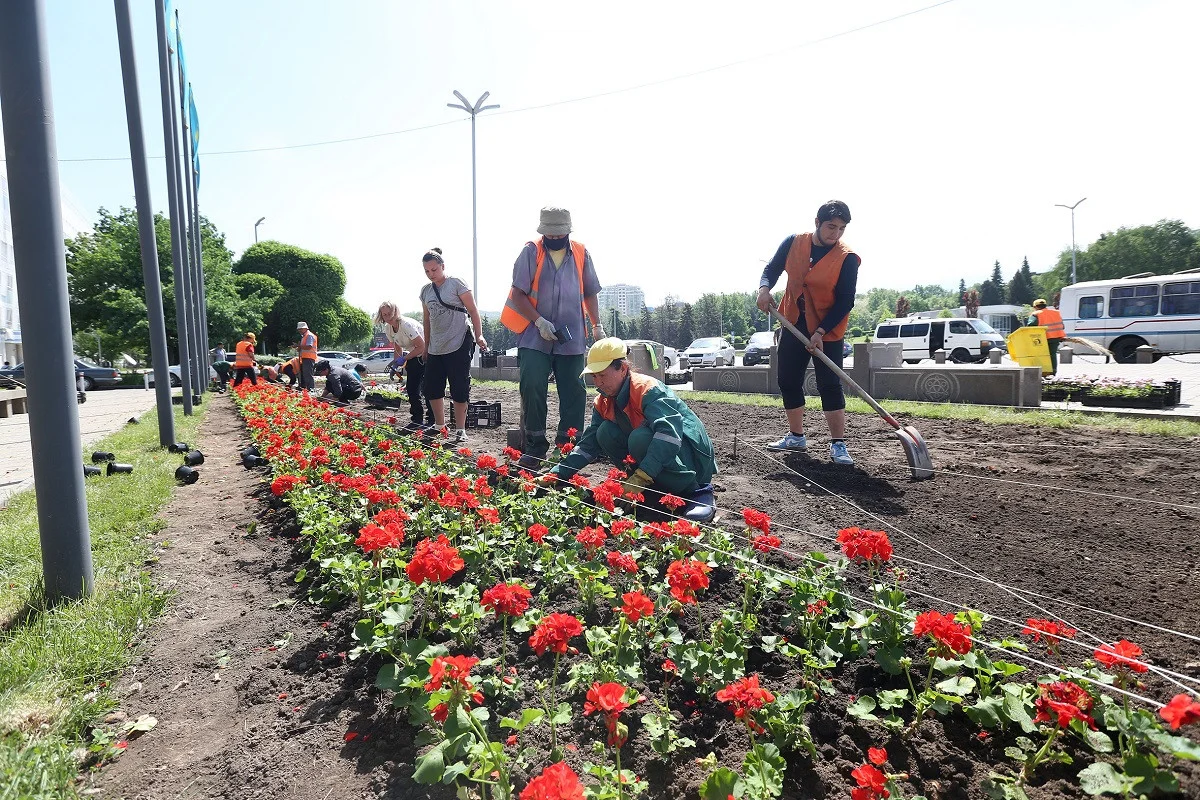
(688, 139)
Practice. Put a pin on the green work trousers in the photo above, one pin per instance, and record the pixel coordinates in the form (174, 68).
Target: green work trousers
(1053, 345)
(536, 368)
(678, 477)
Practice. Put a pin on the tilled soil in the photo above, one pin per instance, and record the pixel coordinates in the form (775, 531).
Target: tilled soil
(255, 699)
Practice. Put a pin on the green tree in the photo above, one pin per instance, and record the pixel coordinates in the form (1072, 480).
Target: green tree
(1021, 289)
(962, 291)
(646, 324)
(687, 327)
(1162, 248)
(993, 291)
(312, 292)
(708, 316)
(354, 325)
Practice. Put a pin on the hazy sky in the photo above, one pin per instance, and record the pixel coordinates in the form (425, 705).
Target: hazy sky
(951, 132)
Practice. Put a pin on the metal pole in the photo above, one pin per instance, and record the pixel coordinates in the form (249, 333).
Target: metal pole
(43, 300)
(168, 108)
(159, 358)
(185, 226)
(1073, 280)
(474, 218)
(195, 270)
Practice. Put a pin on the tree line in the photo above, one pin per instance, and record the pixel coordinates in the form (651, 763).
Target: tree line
(268, 290)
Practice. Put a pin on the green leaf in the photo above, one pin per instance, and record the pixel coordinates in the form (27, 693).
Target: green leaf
(720, 784)
(889, 659)
(562, 715)
(1178, 746)
(763, 771)
(892, 698)
(1103, 778)
(301, 574)
(960, 686)
(1099, 741)
(986, 712)
(397, 616)
(862, 708)
(429, 767)
(947, 666)
(364, 631)
(1014, 709)
(530, 716)
(389, 678)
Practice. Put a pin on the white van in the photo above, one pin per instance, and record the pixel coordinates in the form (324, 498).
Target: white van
(965, 340)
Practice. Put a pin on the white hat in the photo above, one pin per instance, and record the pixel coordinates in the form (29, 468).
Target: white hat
(555, 222)
(301, 326)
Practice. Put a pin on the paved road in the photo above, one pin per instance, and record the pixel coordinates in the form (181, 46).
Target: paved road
(105, 411)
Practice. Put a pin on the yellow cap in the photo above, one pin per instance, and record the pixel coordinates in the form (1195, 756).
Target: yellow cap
(603, 353)
(1039, 303)
(252, 337)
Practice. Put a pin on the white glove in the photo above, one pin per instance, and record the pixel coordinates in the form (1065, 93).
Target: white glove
(598, 332)
(546, 329)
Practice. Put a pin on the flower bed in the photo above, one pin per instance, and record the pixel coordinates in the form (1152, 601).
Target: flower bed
(1112, 392)
(499, 611)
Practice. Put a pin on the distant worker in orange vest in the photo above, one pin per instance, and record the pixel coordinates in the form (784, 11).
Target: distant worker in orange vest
(554, 287)
(308, 356)
(243, 363)
(822, 278)
(1056, 331)
(291, 370)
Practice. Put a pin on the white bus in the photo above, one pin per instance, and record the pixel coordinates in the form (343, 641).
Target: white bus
(1162, 311)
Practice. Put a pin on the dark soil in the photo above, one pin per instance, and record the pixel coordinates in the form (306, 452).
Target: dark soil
(1110, 524)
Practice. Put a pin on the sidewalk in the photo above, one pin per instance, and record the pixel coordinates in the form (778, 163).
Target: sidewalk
(105, 411)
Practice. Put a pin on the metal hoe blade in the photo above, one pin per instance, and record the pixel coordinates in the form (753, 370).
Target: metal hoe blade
(915, 449)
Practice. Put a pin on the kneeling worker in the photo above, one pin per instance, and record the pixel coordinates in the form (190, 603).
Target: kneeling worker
(340, 383)
(639, 417)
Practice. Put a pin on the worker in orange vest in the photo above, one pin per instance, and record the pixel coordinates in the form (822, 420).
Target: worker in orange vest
(243, 364)
(822, 278)
(291, 370)
(1056, 331)
(308, 356)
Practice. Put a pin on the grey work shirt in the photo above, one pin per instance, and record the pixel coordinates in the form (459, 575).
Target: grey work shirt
(558, 298)
(447, 327)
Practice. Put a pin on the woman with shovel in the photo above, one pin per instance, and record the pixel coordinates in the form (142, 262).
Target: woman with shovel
(822, 278)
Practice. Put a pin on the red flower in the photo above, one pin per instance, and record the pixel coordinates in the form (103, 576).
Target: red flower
(371, 537)
(816, 609)
(877, 756)
(757, 519)
(744, 697)
(636, 605)
(440, 713)
(578, 481)
(538, 531)
(1182, 710)
(511, 741)
(672, 502)
(1121, 655)
(489, 515)
(871, 783)
(557, 782)
(630, 460)
(486, 462)
(765, 543)
(572, 433)
(434, 560)
(565, 448)
(622, 526)
(285, 483)
(863, 545)
(1063, 701)
(951, 635)
(453, 670)
(553, 633)
(609, 699)
(506, 598)
(416, 454)
(1048, 631)
(669, 666)
(512, 454)
(591, 538)
(686, 577)
(622, 562)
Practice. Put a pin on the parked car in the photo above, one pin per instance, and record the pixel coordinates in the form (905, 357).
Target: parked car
(964, 339)
(847, 349)
(176, 380)
(377, 361)
(711, 351)
(670, 354)
(758, 349)
(94, 375)
(338, 358)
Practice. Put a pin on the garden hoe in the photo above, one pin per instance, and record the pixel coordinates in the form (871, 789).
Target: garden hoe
(914, 446)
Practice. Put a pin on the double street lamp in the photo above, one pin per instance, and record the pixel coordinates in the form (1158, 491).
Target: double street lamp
(1061, 205)
(473, 110)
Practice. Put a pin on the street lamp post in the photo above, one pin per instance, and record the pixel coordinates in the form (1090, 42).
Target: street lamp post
(99, 352)
(1060, 205)
(474, 111)
(260, 222)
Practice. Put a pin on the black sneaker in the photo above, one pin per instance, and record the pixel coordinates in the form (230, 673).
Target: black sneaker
(531, 462)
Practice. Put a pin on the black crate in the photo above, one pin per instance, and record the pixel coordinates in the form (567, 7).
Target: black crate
(483, 414)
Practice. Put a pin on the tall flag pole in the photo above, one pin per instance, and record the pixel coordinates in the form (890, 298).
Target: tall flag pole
(191, 266)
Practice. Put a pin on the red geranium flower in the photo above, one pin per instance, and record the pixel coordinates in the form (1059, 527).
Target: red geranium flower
(1121, 655)
(1048, 631)
(554, 632)
(372, 537)
(872, 783)
(557, 782)
(285, 483)
(453, 670)
(950, 635)
(572, 433)
(486, 462)
(864, 545)
(877, 756)
(506, 598)
(609, 699)
(512, 454)
(672, 502)
(636, 605)
(489, 515)
(744, 697)
(538, 531)
(578, 481)
(686, 577)
(1063, 701)
(434, 560)
(622, 562)
(1182, 710)
(765, 543)
(757, 519)
(591, 538)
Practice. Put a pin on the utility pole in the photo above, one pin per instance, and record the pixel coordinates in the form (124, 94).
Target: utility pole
(1060, 205)
(42, 297)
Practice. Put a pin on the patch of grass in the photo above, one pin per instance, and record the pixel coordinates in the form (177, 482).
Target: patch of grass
(55, 662)
(995, 415)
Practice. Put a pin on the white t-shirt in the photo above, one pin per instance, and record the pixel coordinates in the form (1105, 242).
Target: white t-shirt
(410, 329)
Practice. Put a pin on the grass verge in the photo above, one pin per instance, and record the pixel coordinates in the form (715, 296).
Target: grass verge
(55, 663)
(995, 415)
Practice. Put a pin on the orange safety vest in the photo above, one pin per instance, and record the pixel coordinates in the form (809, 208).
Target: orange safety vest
(245, 355)
(270, 373)
(513, 319)
(308, 351)
(294, 363)
(1052, 321)
(815, 283)
(638, 386)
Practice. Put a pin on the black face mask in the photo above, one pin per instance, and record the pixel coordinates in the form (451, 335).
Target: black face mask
(556, 244)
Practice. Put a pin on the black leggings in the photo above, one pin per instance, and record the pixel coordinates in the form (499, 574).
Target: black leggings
(793, 364)
(453, 367)
(244, 373)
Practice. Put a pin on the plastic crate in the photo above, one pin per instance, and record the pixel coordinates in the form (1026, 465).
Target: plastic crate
(483, 414)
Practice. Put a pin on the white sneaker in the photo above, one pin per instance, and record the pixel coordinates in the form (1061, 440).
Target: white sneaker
(840, 455)
(459, 436)
(790, 444)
